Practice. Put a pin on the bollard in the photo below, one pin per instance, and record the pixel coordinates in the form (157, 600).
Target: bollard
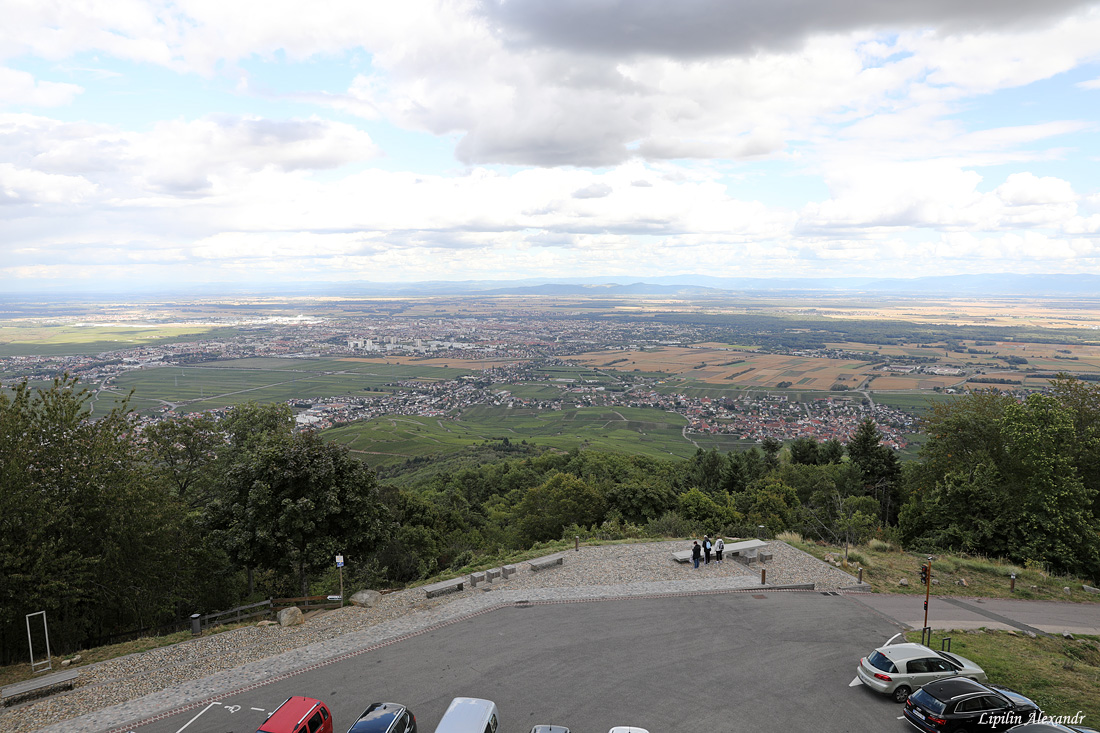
(861, 576)
(576, 543)
(196, 625)
(1012, 583)
(763, 575)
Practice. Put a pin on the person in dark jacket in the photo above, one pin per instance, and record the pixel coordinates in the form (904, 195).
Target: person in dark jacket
(696, 553)
(706, 548)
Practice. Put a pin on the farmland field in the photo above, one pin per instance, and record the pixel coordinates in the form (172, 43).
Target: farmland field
(78, 339)
(393, 439)
(734, 369)
(221, 384)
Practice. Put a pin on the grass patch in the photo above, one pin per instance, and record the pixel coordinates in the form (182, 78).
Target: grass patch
(1061, 675)
(883, 567)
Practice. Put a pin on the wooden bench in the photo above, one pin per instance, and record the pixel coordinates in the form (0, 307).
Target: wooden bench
(541, 563)
(41, 683)
(445, 586)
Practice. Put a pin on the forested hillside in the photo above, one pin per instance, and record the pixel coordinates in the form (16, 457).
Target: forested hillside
(109, 530)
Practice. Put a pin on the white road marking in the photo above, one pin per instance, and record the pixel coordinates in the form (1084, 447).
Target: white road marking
(189, 722)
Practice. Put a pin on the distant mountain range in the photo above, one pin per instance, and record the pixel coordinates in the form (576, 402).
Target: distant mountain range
(698, 286)
(1075, 286)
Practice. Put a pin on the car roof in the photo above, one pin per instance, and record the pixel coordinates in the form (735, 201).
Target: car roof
(909, 650)
(465, 713)
(289, 714)
(378, 717)
(952, 687)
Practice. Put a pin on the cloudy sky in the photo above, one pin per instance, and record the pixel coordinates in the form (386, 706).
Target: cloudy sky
(208, 141)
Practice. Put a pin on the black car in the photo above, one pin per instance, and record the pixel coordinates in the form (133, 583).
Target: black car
(961, 704)
(385, 717)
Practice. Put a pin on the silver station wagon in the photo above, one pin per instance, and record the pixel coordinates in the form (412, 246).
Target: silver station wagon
(898, 669)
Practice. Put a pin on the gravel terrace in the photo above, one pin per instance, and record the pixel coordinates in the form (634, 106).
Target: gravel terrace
(119, 690)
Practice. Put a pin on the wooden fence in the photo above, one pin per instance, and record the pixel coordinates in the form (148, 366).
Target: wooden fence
(267, 608)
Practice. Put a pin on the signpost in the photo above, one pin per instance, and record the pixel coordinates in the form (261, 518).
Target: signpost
(340, 564)
(926, 576)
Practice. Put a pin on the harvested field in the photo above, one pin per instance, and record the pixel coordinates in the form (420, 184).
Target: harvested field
(747, 369)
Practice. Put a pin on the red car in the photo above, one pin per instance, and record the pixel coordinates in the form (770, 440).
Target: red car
(299, 715)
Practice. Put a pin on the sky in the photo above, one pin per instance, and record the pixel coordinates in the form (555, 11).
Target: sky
(198, 142)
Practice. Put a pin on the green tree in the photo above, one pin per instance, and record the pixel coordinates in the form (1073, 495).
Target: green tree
(293, 503)
(879, 466)
(805, 451)
(561, 501)
(83, 534)
(182, 453)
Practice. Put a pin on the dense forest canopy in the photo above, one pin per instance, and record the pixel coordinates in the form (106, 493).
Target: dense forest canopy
(108, 529)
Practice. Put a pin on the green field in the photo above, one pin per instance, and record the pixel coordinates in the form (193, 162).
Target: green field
(915, 402)
(225, 383)
(75, 340)
(393, 439)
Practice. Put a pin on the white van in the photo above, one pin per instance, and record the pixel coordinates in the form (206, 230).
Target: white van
(469, 715)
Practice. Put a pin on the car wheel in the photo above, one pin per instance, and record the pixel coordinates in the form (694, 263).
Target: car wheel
(901, 693)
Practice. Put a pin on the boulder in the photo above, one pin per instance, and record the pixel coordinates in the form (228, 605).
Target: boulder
(904, 582)
(1065, 589)
(1067, 635)
(1090, 589)
(962, 582)
(1030, 634)
(267, 622)
(935, 581)
(66, 662)
(290, 616)
(366, 598)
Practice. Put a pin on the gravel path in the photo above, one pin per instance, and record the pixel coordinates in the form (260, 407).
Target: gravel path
(111, 693)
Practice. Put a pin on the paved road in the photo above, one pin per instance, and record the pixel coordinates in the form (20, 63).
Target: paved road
(747, 661)
(993, 613)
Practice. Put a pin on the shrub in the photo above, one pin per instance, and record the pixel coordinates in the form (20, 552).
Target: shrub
(881, 545)
(671, 524)
(791, 538)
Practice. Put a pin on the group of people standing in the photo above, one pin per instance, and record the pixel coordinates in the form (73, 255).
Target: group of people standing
(703, 551)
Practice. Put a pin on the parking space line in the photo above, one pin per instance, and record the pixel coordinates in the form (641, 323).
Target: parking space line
(189, 722)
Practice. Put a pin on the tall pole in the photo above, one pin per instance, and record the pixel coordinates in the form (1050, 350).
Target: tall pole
(927, 590)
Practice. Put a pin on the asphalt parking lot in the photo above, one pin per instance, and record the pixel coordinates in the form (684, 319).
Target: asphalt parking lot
(776, 661)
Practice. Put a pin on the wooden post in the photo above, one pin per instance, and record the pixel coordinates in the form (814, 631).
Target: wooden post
(763, 576)
(576, 543)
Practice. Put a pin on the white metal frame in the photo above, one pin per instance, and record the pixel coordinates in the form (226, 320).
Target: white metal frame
(49, 657)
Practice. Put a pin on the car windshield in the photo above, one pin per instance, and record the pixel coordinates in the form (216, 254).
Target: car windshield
(879, 661)
(927, 702)
(951, 659)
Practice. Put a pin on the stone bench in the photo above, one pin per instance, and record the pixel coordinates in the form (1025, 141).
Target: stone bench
(542, 563)
(41, 683)
(445, 586)
(476, 578)
(732, 549)
(508, 571)
(492, 575)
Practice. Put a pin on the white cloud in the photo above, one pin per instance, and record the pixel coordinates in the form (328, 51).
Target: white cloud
(22, 186)
(18, 88)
